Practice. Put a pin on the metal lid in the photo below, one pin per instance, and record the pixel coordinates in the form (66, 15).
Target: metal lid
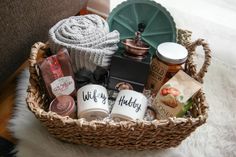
(150, 18)
(172, 53)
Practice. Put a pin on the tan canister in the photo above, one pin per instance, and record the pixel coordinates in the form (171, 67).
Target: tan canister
(92, 102)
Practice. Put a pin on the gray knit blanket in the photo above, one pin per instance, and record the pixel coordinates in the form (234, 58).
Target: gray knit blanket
(88, 40)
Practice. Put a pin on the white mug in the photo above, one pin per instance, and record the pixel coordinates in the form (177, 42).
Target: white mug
(92, 102)
(129, 105)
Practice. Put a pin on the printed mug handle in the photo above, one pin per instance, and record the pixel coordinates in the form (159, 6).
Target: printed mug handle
(190, 67)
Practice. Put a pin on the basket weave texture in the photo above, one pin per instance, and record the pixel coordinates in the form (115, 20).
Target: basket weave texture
(139, 135)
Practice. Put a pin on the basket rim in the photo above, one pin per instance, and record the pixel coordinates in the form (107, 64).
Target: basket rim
(33, 104)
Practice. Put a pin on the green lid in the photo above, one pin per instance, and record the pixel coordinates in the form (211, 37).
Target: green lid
(150, 17)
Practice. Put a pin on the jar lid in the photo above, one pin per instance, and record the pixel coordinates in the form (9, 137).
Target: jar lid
(172, 53)
(63, 105)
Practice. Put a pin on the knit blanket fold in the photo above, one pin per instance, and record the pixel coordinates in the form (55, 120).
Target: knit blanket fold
(88, 40)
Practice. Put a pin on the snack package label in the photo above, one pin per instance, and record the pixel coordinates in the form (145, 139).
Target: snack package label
(169, 102)
(63, 86)
(174, 94)
(55, 67)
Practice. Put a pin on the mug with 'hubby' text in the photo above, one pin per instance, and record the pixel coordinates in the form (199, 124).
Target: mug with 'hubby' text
(129, 105)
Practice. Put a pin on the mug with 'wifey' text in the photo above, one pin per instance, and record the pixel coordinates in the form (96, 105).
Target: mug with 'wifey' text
(129, 105)
(92, 102)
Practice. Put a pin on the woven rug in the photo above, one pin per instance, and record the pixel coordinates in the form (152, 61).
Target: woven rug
(216, 138)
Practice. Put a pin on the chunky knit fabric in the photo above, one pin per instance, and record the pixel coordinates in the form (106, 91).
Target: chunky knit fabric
(88, 40)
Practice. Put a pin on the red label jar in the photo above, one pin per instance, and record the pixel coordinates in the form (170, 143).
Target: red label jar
(165, 64)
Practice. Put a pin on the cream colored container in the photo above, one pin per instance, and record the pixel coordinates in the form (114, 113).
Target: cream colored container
(92, 102)
(129, 105)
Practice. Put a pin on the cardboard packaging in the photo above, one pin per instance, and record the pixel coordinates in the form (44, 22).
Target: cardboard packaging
(128, 70)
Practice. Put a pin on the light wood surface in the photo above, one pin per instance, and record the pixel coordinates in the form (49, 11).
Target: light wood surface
(7, 97)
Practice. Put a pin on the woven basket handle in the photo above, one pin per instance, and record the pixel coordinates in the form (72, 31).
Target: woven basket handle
(35, 49)
(190, 66)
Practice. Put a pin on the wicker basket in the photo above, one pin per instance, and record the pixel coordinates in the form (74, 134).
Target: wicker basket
(139, 135)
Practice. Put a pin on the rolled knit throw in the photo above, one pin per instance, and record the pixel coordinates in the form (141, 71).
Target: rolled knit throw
(87, 39)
